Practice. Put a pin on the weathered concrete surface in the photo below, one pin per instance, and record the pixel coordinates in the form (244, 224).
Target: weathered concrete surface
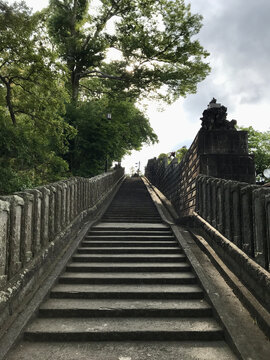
(122, 328)
(123, 351)
(124, 291)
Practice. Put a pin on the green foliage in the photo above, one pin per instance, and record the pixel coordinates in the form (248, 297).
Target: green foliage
(32, 103)
(154, 40)
(259, 145)
(45, 138)
(100, 138)
(178, 154)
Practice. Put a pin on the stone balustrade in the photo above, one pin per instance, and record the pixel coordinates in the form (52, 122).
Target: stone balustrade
(239, 211)
(31, 220)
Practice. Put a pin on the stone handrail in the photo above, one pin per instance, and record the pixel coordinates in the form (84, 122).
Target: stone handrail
(31, 220)
(239, 211)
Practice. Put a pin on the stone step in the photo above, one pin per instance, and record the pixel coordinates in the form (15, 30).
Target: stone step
(124, 291)
(127, 267)
(115, 227)
(138, 214)
(115, 232)
(132, 212)
(130, 219)
(127, 278)
(135, 206)
(100, 329)
(129, 350)
(125, 243)
(167, 258)
(129, 237)
(124, 308)
(128, 250)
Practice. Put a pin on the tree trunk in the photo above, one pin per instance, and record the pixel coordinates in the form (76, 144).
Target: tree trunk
(8, 100)
(75, 82)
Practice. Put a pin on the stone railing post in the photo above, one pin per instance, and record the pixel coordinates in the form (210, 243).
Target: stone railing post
(58, 207)
(260, 232)
(45, 208)
(246, 209)
(37, 214)
(220, 206)
(236, 214)
(227, 210)
(214, 202)
(15, 233)
(27, 227)
(52, 211)
(4, 230)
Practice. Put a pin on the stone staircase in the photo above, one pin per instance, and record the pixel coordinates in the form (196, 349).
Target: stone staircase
(130, 288)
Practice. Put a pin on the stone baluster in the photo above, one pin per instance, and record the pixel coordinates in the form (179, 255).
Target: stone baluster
(228, 210)
(36, 244)
(27, 227)
(260, 233)
(45, 207)
(246, 208)
(236, 214)
(214, 202)
(52, 212)
(4, 231)
(15, 233)
(220, 206)
(58, 207)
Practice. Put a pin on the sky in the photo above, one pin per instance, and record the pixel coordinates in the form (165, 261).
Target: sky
(237, 35)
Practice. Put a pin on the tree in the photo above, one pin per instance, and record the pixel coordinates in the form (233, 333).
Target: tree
(178, 154)
(259, 145)
(102, 139)
(153, 39)
(34, 134)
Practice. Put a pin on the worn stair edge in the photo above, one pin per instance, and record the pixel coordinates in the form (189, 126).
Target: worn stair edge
(103, 258)
(74, 329)
(80, 291)
(133, 267)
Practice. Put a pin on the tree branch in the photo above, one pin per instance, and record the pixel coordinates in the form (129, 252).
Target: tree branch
(9, 99)
(4, 63)
(113, 11)
(99, 74)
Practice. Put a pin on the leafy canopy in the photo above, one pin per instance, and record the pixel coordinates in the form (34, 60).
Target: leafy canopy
(178, 154)
(32, 102)
(102, 139)
(259, 145)
(152, 43)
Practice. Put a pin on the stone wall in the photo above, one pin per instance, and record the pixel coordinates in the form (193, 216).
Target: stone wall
(219, 153)
(31, 219)
(239, 211)
(37, 225)
(177, 181)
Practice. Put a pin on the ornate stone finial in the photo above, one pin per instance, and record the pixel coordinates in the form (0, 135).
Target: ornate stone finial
(215, 117)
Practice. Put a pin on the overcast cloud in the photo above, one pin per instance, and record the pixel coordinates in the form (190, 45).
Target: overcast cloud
(237, 34)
